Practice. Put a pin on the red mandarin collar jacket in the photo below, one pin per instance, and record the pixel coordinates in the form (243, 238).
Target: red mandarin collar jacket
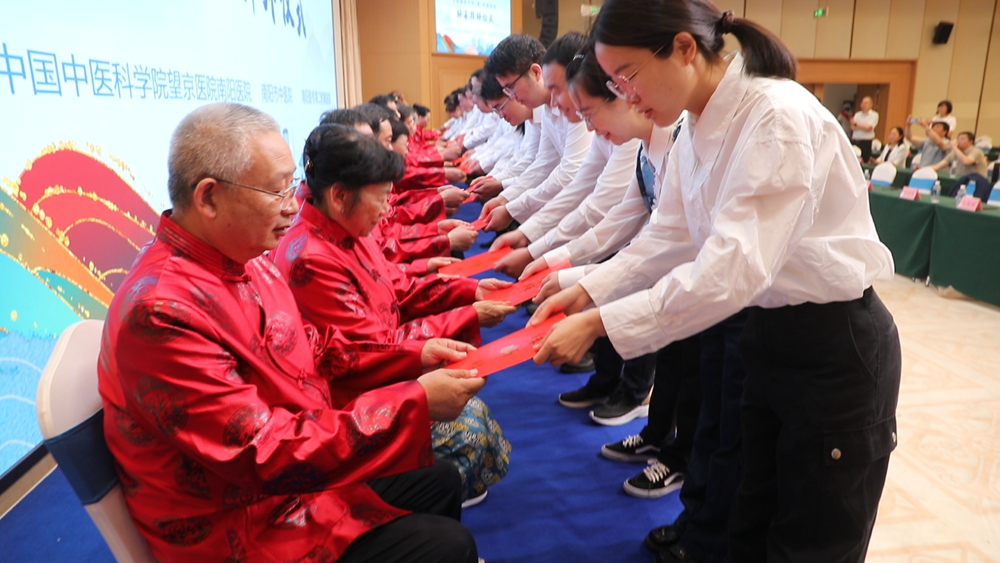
(226, 442)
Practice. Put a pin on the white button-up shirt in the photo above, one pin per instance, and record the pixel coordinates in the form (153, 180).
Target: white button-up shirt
(524, 156)
(763, 204)
(564, 143)
(622, 222)
(597, 187)
(477, 135)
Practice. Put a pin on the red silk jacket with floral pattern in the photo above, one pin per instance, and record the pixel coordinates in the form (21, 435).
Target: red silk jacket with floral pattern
(375, 317)
(227, 445)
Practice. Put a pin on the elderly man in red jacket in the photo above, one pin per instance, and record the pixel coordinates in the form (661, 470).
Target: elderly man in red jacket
(227, 445)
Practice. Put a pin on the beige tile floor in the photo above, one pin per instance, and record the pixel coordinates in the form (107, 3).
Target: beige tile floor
(942, 497)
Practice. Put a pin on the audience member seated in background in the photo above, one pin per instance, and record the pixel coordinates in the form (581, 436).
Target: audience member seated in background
(935, 146)
(896, 149)
(944, 115)
(863, 128)
(382, 325)
(227, 443)
(964, 158)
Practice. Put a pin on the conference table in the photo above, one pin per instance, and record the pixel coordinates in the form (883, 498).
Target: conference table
(951, 246)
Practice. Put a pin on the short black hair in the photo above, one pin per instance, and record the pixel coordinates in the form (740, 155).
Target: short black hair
(398, 129)
(491, 90)
(945, 103)
(405, 111)
(515, 55)
(451, 102)
(383, 100)
(343, 116)
(970, 135)
(335, 154)
(375, 114)
(421, 110)
(944, 125)
(562, 50)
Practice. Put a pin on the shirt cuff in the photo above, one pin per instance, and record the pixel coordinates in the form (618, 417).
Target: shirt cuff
(529, 228)
(570, 276)
(518, 209)
(632, 325)
(558, 256)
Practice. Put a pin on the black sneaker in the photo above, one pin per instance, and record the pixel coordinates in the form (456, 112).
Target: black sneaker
(632, 448)
(662, 537)
(582, 398)
(583, 366)
(618, 410)
(656, 481)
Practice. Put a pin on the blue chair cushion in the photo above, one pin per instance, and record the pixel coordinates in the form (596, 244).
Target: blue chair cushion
(84, 458)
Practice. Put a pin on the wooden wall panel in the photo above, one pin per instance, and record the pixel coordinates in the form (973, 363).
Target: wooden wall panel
(798, 27)
(906, 24)
(971, 37)
(935, 60)
(765, 12)
(833, 32)
(390, 65)
(871, 29)
(989, 108)
(447, 73)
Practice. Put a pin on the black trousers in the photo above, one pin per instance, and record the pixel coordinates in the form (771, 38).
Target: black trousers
(716, 464)
(634, 377)
(676, 401)
(866, 148)
(432, 534)
(818, 425)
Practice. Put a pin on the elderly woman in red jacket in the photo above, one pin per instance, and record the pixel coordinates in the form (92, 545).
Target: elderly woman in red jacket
(382, 325)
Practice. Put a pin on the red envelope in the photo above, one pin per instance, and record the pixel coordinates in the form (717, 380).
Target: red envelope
(526, 289)
(509, 350)
(476, 264)
(479, 224)
(470, 199)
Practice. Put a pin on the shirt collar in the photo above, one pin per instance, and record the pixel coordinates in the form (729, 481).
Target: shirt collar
(183, 242)
(708, 130)
(326, 227)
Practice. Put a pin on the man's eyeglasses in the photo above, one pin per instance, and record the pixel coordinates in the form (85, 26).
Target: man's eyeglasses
(586, 118)
(626, 81)
(509, 89)
(285, 196)
(499, 109)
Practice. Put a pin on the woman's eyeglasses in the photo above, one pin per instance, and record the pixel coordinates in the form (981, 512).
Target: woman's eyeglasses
(626, 81)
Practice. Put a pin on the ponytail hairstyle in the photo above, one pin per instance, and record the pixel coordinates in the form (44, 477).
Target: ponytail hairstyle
(652, 24)
(586, 75)
(335, 154)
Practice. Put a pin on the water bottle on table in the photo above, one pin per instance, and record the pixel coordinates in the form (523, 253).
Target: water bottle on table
(936, 192)
(959, 194)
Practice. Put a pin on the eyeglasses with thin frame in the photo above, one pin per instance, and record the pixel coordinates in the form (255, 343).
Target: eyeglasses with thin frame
(586, 118)
(509, 89)
(285, 195)
(499, 109)
(620, 90)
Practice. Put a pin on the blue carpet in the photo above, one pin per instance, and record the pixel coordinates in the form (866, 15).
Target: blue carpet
(561, 501)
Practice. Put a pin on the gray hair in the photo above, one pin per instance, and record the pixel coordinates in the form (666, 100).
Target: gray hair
(213, 141)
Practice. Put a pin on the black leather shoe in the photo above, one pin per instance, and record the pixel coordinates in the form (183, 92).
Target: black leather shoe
(662, 538)
(674, 555)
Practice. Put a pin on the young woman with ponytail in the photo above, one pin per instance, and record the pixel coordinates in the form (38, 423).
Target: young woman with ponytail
(764, 207)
